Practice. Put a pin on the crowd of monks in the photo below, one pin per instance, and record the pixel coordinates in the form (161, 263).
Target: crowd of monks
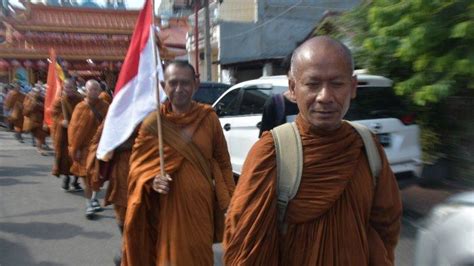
(172, 213)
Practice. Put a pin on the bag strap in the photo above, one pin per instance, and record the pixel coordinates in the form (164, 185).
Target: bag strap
(371, 151)
(186, 147)
(289, 161)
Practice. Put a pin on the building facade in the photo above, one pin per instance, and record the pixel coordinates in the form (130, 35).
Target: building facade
(91, 42)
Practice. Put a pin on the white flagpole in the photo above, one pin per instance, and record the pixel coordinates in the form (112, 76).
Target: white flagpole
(158, 98)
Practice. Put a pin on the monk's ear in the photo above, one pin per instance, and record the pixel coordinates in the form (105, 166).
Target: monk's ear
(291, 87)
(353, 87)
(162, 83)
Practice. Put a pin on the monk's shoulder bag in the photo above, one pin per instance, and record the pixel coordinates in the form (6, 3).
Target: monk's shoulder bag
(289, 161)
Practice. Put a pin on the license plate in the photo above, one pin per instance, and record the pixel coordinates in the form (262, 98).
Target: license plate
(384, 139)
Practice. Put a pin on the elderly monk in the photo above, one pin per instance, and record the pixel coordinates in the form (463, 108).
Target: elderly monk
(86, 118)
(62, 111)
(338, 216)
(14, 106)
(33, 110)
(174, 219)
(116, 172)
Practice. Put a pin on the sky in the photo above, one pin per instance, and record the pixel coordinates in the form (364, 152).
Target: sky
(130, 4)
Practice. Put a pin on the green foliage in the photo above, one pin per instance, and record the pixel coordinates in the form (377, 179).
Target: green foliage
(425, 46)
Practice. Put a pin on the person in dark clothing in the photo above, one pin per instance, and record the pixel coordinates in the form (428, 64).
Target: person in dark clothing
(278, 109)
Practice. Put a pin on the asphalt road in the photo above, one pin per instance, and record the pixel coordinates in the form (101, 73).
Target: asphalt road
(42, 225)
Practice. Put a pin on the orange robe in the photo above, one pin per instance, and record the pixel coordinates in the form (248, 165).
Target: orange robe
(81, 130)
(178, 228)
(62, 162)
(337, 217)
(104, 96)
(14, 103)
(33, 110)
(115, 171)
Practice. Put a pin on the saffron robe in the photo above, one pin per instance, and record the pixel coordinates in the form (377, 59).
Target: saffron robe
(81, 130)
(338, 216)
(62, 110)
(178, 228)
(14, 103)
(33, 111)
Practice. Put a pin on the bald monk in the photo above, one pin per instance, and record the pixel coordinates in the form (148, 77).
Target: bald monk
(338, 216)
(14, 105)
(61, 113)
(116, 172)
(33, 110)
(86, 118)
(174, 219)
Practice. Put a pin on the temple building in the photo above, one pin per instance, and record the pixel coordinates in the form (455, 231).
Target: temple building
(91, 41)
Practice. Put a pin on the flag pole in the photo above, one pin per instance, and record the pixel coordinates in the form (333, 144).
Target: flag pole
(158, 100)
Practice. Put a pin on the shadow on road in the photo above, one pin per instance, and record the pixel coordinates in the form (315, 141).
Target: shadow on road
(16, 254)
(26, 170)
(4, 182)
(47, 231)
(43, 212)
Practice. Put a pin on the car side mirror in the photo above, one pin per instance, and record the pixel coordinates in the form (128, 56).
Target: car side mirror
(219, 109)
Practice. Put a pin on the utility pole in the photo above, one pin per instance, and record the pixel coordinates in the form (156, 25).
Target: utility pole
(207, 37)
(196, 34)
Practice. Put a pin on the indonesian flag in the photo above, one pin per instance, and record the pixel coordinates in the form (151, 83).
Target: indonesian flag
(135, 92)
(54, 82)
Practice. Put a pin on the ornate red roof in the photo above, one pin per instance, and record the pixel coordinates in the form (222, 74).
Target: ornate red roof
(81, 33)
(39, 17)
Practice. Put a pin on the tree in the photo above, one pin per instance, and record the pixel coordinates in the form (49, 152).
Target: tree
(426, 47)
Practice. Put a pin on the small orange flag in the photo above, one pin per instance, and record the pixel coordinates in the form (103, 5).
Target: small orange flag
(54, 82)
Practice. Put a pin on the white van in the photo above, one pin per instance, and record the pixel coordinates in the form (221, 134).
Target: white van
(376, 106)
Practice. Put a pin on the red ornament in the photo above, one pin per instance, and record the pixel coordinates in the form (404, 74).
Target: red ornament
(4, 64)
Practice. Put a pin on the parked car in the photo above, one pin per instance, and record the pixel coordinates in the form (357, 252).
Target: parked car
(376, 106)
(447, 235)
(208, 92)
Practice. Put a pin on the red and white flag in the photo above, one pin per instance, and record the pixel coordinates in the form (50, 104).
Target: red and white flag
(135, 92)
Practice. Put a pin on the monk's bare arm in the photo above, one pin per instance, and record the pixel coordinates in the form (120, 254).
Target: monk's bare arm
(251, 235)
(386, 211)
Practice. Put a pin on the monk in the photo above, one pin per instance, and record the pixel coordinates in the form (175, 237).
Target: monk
(86, 118)
(33, 111)
(338, 216)
(174, 219)
(61, 113)
(116, 172)
(104, 96)
(14, 106)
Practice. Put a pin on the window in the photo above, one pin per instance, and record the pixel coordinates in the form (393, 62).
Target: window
(253, 100)
(229, 104)
(375, 102)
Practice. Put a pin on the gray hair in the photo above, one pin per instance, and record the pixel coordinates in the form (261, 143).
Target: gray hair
(345, 50)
